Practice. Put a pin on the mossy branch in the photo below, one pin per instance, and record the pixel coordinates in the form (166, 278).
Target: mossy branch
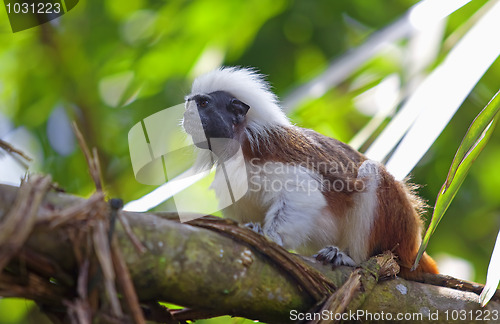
(211, 265)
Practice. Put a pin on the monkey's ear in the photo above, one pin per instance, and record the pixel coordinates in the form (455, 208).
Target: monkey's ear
(239, 107)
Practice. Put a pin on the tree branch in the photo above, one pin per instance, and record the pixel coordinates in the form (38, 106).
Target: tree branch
(210, 265)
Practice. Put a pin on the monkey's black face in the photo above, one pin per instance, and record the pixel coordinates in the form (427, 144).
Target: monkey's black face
(220, 116)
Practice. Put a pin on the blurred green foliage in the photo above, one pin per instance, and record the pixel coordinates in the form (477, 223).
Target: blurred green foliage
(108, 64)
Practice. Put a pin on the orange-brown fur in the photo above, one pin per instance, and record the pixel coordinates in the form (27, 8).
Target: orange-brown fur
(399, 226)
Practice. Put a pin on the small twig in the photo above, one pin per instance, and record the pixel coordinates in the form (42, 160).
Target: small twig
(139, 247)
(121, 270)
(338, 302)
(103, 252)
(13, 151)
(79, 310)
(125, 281)
(96, 170)
(75, 212)
(83, 279)
(21, 218)
(92, 160)
(455, 283)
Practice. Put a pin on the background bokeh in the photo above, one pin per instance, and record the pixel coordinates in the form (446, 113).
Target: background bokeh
(108, 64)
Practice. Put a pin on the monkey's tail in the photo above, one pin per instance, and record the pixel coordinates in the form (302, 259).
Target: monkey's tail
(426, 265)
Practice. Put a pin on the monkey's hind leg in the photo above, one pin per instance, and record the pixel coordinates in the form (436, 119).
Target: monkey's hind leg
(353, 238)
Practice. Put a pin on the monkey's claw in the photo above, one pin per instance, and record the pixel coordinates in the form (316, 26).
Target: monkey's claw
(256, 227)
(332, 254)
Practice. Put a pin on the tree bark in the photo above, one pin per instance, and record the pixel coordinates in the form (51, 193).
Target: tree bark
(204, 269)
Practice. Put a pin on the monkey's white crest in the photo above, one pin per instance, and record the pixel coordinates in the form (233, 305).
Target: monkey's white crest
(250, 87)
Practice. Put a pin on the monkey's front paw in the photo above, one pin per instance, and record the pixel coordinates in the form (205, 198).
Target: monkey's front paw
(255, 227)
(332, 254)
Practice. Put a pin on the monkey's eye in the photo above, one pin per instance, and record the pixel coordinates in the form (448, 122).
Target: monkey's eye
(203, 102)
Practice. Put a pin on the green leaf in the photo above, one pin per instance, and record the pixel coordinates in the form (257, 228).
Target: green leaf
(493, 276)
(472, 144)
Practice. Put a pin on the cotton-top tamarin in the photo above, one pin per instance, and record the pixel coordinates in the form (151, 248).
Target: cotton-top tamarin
(307, 192)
